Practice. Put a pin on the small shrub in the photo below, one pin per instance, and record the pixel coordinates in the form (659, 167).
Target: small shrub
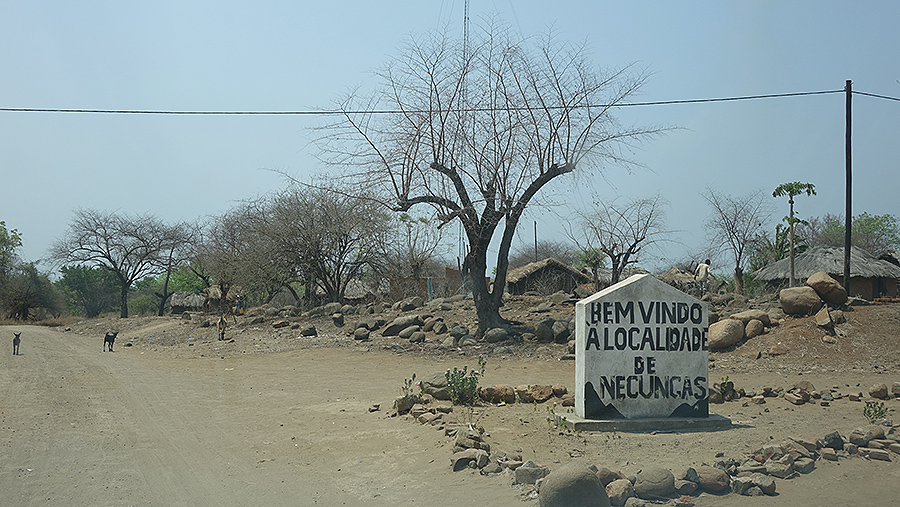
(463, 383)
(874, 411)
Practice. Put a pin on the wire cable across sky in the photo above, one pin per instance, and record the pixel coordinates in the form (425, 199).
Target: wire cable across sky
(390, 111)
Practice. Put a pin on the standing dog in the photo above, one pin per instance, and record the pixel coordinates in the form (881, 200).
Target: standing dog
(16, 341)
(110, 340)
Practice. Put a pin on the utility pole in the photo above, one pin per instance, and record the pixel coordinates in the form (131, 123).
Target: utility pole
(848, 212)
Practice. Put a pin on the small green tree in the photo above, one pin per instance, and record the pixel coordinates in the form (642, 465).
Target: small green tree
(594, 259)
(89, 291)
(793, 189)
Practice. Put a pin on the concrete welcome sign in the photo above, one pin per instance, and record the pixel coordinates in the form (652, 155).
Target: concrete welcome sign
(641, 351)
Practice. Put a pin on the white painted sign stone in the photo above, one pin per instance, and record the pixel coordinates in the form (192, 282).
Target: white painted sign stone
(641, 352)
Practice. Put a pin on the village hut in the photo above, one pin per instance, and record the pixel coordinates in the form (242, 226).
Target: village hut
(870, 277)
(187, 302)
(544, 277)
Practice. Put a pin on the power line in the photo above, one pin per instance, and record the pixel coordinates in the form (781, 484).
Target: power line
(396, 111)
(876, 96)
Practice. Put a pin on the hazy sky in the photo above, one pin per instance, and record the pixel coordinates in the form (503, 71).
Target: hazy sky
(296, 55)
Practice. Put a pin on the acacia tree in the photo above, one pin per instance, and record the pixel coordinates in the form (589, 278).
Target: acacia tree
(793, 189)
(621, 232)
(130, 246)
(734, 223)
(476, 129)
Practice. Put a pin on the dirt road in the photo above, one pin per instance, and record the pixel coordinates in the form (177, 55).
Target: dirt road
(82, 427)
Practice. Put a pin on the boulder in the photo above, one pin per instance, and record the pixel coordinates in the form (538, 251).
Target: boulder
(879, 391)
(824, 320)
(572, 485)
(800, 301)
(606, 476)
(714, 480)
(753, 328)
(619, 491)
(753, 314)
(469, 458)
(725, 333)
(337, 319)
(400, 323)
(361, 334)
(828, 288)
(529, 473)
(498, 394)
(654, 482)
(436, 385)
(543, 331)
(309, 331)
(560, 331)
(496, 334)
(407, 332)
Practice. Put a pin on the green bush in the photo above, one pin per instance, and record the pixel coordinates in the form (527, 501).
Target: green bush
(463, 384)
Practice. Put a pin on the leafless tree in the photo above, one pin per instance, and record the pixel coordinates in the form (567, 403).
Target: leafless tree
(734, 223)
(621, 231)
(130, 246)
(476, 130)
(325, 238)
(413, 249)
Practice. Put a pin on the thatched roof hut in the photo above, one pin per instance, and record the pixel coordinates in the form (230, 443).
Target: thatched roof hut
(869, 277)
(544, 277)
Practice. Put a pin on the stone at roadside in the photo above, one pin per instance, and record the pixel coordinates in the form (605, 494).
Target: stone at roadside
(606, 475)
(793, 398)
(800, 301)
(496, 334)
(781, 468)
(467, 341)
(417, 337)
(877, 454)
(407, 332)
(400, 323)
(530, 472)
(753, 329)
(654, 482)
(879, 390)
(458, 331)
(541, 394)
(435, 385)
(449, 342)
(309, 331)
(619, 491)
(560, 331)
(714, 480)
(404, 404)
(828, 453)
(824, 320)
(411, 303)
(827, 288)
(568, 400)
(744, 485)
(361, 334)
(543, 331)
(337, 319)
(725, 333)
(278, 324)
(804, 465)
(439, 328)
(498, 394)
(683, 487)
(895, 389)
(572, 485)
(523, 393)
(747, 315)
(469, 458)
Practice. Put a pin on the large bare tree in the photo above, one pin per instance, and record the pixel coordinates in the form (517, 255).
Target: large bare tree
(130, 246)
(476, 129)
(621, 231)
(734, 223)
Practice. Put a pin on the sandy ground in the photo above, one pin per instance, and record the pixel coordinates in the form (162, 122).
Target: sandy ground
(145, 426)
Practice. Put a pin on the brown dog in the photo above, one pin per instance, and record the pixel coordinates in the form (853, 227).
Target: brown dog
(109, 340)
(16, 341)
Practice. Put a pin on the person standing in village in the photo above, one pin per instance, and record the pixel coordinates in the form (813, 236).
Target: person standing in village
(221, 326)
(702, 276)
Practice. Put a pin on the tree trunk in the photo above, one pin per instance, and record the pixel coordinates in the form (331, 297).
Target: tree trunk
(123, 300)
(793, 279)
(738, 280)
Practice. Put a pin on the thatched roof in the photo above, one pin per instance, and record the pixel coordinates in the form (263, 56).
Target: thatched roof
(831, 261)
(515, 275)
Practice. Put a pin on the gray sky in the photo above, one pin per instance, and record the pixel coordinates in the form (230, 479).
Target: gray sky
(205, 55)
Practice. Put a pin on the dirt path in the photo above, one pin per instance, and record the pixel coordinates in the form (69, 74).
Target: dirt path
(136, 427)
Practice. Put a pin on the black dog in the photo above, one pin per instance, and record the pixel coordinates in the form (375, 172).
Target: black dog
(16, 342)
(110, 340)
